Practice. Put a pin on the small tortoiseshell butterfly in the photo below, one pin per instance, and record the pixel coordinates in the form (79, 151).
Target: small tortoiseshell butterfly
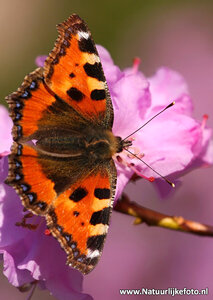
(61, 160)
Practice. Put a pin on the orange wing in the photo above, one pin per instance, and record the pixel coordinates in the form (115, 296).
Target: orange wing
(71, 86)
(73, 71)
(28, 104)
(77, 217)
(27, 177)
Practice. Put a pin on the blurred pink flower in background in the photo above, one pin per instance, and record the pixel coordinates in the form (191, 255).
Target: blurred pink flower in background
(181, 38)
(173, 143)
(5, 132)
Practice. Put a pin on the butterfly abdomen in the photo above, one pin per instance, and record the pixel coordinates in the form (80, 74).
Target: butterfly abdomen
(63, 144)
(96, 144)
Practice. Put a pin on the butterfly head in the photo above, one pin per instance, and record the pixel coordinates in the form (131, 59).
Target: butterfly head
(122, 144)
(105, 145)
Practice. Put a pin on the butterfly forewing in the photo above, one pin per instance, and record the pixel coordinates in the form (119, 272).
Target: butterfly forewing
(28, 104)
(74, 72)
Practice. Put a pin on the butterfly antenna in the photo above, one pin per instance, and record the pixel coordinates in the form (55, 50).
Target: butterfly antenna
(168, 181)
(160, 112)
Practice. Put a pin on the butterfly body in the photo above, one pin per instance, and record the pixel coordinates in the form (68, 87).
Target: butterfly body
(61, 161)
(94, 144)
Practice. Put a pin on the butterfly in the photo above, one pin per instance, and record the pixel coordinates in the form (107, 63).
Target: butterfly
(61, 159)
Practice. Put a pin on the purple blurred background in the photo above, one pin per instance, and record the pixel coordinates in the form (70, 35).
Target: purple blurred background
(178, 35)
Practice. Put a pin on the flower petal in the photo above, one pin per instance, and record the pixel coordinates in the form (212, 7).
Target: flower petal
(5, 131)
(167, 86)
(169, 144)
(39, 61)
(131, 98)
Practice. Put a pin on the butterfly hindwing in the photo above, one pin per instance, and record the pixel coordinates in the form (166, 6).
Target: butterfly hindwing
(79, 217)
(40, 178)
(27, 177)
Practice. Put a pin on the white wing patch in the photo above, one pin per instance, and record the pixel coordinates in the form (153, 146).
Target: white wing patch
(91, 254)
(83, 35)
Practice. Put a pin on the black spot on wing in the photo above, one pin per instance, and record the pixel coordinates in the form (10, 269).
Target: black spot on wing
(67, 236)
(18, 131)
(25, 187)
(75, 94)
(76, 253)
(18, 176)
(55, 60)
(72, 75)
(98, 95)
(33, 86)
(42, 205)
(87, 45)
(17, 163)
(53, 216)
(32, 198)
(19, 105)
(78, 194)
(102, 193)
(73, 245)
(94, 71)
(76, 213)
(81, 258)
(59, 181)
(96, 242)
(59, 228)
(18, 115)
(101, 216)
(26, 95)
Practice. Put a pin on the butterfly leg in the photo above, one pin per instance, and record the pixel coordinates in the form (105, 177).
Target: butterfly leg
(24, 223)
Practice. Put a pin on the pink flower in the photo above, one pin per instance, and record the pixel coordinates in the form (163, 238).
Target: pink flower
(173, 144)
(5, 132)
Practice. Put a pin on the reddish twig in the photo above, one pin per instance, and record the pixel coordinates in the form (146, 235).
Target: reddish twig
(153, 218)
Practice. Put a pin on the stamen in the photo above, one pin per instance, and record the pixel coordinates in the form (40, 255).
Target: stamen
(131, 139)
(136, 152)
(151, 179)
(119, 158)
(168, 181)
(205, 118)
(136, 63)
